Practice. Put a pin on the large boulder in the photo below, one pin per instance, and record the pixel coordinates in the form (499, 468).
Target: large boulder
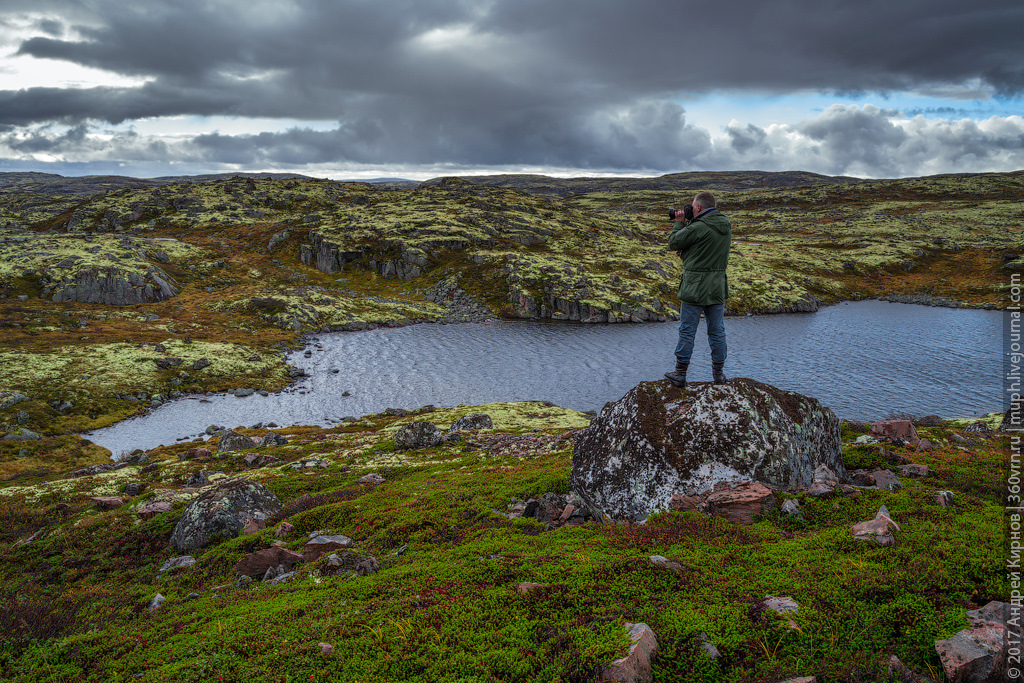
(660, 440)
(221, 513)
(418, 435)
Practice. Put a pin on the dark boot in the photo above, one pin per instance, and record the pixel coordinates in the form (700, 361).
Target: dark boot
(716, 372)
(678, 377)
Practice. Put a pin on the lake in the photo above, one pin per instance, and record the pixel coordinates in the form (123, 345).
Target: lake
(863, 359)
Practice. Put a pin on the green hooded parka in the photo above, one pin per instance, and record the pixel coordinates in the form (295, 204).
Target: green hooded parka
(704, 246)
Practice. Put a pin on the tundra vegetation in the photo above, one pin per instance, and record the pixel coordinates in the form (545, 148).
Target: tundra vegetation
(443, 604)
(117, 294)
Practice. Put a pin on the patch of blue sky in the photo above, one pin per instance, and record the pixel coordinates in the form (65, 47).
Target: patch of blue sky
(716, 111)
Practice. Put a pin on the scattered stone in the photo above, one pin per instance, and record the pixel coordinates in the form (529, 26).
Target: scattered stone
(107, 502)
(886, 480)
(417, 435)
(929, 421)
(865, 440)
(367, 566)
(233, 441)
(133, 488)
(156, 603)
(527, 588)
(324, 544)
(824, 483)
(12, 398)
(136, 457)
(91, 470)
(945, 499)
(861, 478)
(194, 453)
(879, 529)
(372, 478)
(692, 438)
(782, 605)
(257, 563)
(924, 445)
(243, 581)
(23, 434)
(708, 647)
(308, 463)
(671, 565)
(242, 393)
(197, 480)
(635, 667)
(176, 563)
(978, 427)
(23, 417)
(978, 654)
(894, 458)
(914, 470)
(261, 460)
(273, 439)
(473, 421)
(252, 526)
(326, 648)
(150, 510)
(285, 530)
(801, 679)
(201, 363)
(902, 673)
(221, 512)
(791, 507)
(740, 503)
(896, 429)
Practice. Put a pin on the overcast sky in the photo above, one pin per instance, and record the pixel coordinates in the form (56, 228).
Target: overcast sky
(421, 88)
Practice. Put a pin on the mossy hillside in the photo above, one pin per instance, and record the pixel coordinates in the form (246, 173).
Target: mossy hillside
(515, 243)
(303, 308)
(238, 243)
(444, 604)
(943, 235)
(98, 378)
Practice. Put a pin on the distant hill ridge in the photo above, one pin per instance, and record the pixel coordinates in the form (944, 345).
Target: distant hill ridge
(53, 183)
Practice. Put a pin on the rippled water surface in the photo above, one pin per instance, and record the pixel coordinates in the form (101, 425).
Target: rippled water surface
(862, 359)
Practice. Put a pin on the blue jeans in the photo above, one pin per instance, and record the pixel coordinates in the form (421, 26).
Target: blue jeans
(689, 318)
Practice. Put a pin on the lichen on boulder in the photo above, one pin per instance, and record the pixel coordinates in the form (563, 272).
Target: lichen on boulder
(659, 440)
(221, 513)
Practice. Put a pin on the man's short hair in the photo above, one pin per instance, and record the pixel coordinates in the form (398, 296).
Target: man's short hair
(705, 199)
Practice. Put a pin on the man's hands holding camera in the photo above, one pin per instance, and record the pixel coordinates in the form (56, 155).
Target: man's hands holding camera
(685, 214)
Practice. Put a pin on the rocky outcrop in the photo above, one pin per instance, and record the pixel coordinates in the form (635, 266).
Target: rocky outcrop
(526, 305)
(112, 286)
(326, 256)
(221, 513)
(659, 440)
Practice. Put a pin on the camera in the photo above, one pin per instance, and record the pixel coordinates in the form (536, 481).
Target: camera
(687, 213)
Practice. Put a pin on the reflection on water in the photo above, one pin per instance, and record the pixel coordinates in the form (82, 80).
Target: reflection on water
(862, 359)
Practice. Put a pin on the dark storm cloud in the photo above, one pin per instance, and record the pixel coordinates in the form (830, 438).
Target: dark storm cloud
(575, 83)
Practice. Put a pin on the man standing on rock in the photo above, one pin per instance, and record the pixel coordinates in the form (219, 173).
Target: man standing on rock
(703, 244)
